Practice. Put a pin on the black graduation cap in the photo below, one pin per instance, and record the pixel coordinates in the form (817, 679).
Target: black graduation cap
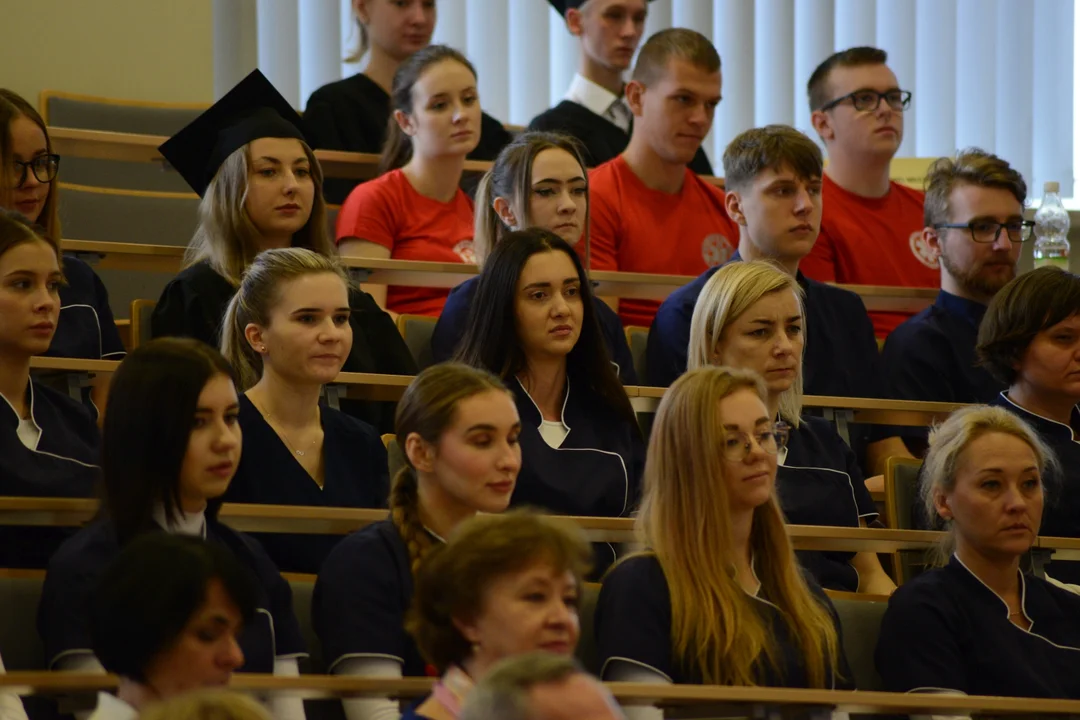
(563, 5)
(253, 109)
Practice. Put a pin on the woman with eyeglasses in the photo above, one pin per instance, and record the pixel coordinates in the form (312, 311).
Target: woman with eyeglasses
(750, 315)
(717, 597)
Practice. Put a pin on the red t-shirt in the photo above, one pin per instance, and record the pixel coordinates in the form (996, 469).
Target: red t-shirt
(638, 229)
(873, 241)
(390, 212)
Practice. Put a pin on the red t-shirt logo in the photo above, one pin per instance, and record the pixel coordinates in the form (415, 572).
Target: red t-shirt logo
(716, 250)
(922, 250)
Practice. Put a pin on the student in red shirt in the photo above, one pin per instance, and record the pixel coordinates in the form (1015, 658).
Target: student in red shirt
(416, 210)
(871, 232)
(650, 213)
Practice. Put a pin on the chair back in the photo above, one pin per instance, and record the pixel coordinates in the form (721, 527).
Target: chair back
(417, 331)
(860, 621)
(141, 310)
(638, 340)
(20, 646)
(587, 653)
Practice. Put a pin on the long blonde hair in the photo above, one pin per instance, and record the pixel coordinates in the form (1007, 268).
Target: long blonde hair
(728, 294)
(260, 291)
(685, 521)
(228, 239)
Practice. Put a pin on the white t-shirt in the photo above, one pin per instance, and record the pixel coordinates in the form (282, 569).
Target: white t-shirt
(553, 432)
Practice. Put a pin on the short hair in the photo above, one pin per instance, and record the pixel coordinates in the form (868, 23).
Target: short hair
(674, 43)
(452, 580)
(207, 704)
(817, 88)
(1029, 304)
(503, 693)
(770, 148)
(949, 439)
(149, 593)
(971, 166)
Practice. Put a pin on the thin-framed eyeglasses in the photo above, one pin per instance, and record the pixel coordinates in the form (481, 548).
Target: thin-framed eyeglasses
(869, 100)
(44, 168)
(736, 444)
(988, 231)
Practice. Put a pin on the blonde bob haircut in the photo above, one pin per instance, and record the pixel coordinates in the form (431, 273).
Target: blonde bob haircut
(228, 239)
(207, 704)
(948, 442)
(729, 293)
(685, 522)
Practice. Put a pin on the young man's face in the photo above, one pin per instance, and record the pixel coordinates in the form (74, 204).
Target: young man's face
(610, 30)
(675, 111)
(850, 132)
(780, 211)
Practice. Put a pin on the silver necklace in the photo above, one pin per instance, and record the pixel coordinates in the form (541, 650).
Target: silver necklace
(281, 433)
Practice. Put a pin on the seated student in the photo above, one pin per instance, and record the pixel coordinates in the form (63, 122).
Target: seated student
(415, 209)
(978, 625)
(287, 334)
(872, 228)
(534, 323)
(975, 224)
(1029, 339)
(167, 617)
(261, 188)
(470, 609)
(540, 686)
(538, 180)
(773, 183)
(717, 597)
(594, 109)
(354, 113)
(647, 192)
(750, 316)
(48, 442)
(458, 429)
(171, 444)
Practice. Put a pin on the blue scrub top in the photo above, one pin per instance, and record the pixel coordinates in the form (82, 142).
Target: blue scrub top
(86, 328)
(820, 483)
(64, 464)
(356, 475)
(633, 624)
(75, 568)
(454, 320)
(945, 630)
(360, 599)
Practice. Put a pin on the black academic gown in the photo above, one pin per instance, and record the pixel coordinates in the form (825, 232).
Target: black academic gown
(602, 139)
(194, 302)
(352, 114)
(356, 475)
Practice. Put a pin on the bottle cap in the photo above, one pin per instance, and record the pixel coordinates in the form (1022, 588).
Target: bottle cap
(1051, 186)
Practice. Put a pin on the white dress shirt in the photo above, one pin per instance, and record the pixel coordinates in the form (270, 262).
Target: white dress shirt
(600, 101)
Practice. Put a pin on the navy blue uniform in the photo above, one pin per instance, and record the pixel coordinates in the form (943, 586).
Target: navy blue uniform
(454, 320)
(946, 630)
(633, 623)
(64, 464)
(356, 475)
(74, 571)
(364, 588)
(86, 328)
(820, 483)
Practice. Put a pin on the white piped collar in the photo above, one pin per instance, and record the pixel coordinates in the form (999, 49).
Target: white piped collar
(193, 524)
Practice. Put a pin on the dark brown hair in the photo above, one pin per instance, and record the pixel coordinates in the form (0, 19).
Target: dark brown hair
(674, 43)
(817, 88)
(1022, 309)
(770, 148)
(12, 107)
(971, 166)
(397, 148)
(454, 578)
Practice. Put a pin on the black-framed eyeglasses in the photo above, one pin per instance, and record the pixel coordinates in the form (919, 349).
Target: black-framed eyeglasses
(988, 231)
(737, 445)
(44, 168)
(870, 100)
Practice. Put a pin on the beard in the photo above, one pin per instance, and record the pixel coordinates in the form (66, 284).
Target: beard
(974, 280)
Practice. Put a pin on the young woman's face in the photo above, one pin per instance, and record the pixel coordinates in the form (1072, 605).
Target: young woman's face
(477, 458)
(397, 27)
(559, 194)
(309, 336)
(445, 118)
(27, 144)
(750, 480)
(548, 305)
(213, 450)
(207, 651)
(1051, 362)
(768, 339)
(29, 298)
(534, 608)
(281, 189)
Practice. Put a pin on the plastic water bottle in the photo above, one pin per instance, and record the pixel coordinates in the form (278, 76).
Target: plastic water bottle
(1052, 229)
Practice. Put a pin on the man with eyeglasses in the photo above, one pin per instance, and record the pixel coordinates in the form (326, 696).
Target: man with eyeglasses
(974, 224)
(871, 231)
